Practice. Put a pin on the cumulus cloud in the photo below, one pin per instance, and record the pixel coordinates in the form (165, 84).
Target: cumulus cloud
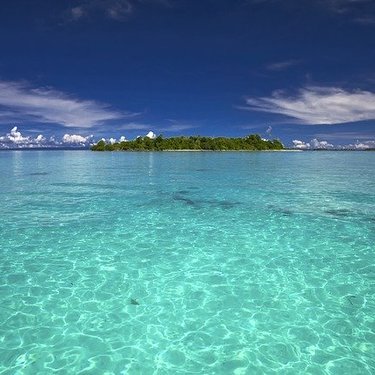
(300, 144)
(151, 135)
(40, 138)
(320, 144)
(365, 145)
(46, 105)
(314, 144)
(112, 140)
(15, 139)
(75, 139)
(318, 105)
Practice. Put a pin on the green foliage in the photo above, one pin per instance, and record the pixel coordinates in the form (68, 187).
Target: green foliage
(100, 146)
(252, 142)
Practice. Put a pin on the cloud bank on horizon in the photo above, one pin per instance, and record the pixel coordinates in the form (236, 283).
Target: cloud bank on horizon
(16, 140)
(315, 144)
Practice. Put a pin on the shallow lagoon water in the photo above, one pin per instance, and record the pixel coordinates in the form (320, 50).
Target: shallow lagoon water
(187, 263)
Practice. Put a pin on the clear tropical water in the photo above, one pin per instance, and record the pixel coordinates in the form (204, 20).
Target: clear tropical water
(187, 263)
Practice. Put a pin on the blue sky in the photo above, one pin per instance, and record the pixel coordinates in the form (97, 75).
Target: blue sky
(72, 72)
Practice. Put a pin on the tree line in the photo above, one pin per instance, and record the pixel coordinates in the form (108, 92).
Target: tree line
(251, 142)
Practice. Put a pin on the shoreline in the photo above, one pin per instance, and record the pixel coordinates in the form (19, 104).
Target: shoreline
(187, 150)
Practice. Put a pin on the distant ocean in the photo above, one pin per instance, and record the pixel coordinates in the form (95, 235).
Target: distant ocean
(187, 263)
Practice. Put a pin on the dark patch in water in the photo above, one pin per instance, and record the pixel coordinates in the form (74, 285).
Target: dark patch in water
(86, 185)
(188, 201)
(350, 299)
(133, 301)
(183, 192)
(199, 203)
(340, 212)
(224, 204)
(203, 170)
(38, 173)
(285, 212)
(282, 211)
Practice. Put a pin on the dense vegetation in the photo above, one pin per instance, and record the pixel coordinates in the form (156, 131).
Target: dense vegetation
(249, 143)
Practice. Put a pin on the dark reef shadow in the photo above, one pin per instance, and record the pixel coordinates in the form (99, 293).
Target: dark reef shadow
(339, 212)
(38, 174)
(181, 196)
(281, 210)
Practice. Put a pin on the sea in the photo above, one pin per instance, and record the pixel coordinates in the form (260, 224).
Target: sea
(187, 262)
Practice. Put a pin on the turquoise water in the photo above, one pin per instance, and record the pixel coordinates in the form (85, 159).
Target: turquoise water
(187, 263)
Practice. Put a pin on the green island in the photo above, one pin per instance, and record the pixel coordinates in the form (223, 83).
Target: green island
(251, 142)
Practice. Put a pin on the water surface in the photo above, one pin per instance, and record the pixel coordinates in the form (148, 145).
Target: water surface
(187, 263)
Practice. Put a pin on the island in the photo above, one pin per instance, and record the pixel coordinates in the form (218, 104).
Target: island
(251, 142)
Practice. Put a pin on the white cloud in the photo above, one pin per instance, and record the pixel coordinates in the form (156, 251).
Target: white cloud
(282, 65)
(15, 139)
(76, 139)
(314, 144)
(318, 105)
(122, 139)
(112, 140)
(40, 138)
(300, 144)
(361, 145)
(151, 135)
(320, 144)
(47, 105)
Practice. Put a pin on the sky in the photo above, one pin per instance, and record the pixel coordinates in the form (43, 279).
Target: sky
(75, 71)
